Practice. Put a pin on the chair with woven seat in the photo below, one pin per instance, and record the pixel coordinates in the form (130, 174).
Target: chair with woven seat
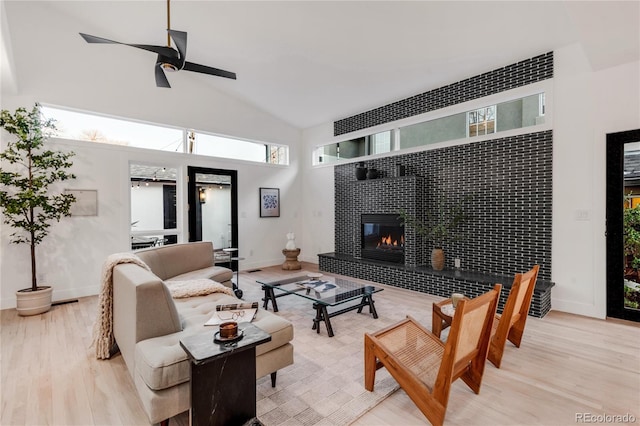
(423, 365)
(510, 325)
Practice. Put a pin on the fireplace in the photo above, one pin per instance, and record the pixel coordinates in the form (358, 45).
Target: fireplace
(382, 237)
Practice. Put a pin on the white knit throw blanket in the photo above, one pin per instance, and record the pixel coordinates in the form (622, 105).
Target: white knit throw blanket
(103, 338)
(197, 287)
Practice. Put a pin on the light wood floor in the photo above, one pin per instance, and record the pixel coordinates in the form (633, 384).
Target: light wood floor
(567, 365)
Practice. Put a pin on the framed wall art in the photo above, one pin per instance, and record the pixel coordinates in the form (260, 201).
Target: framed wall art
(269, 202)
(86, 203)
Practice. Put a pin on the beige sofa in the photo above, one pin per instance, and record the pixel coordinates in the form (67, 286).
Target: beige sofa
(149, 323)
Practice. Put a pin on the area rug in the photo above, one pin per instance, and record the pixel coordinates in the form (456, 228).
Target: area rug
(325, 385)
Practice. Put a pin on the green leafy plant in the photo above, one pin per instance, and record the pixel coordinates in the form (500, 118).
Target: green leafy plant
(631, 297)
(631, 233)
(443, 223)
(28, 206)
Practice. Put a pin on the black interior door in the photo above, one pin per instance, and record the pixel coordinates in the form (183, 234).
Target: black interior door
(623, 279)
(202, 182)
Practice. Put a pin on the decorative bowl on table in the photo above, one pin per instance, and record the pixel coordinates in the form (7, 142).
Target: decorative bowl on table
(229, 330)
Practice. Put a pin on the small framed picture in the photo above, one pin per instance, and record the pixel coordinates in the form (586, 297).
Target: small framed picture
(269, 202)
(86, 203)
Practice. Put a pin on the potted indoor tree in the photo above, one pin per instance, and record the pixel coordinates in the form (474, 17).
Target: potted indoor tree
(26, 173)
(443, 224)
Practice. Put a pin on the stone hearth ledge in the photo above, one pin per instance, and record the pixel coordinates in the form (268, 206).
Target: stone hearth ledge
(426, 280)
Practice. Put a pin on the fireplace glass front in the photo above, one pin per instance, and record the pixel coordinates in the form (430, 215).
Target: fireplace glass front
(382, 237)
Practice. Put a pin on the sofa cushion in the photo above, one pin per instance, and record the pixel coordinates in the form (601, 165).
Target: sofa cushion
(195, 311)
(215, 273)
(281, 330)
(161, 362)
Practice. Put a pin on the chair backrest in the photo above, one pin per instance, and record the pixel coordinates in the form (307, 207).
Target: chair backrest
(519, 300)
(468, 342)
(514, 315)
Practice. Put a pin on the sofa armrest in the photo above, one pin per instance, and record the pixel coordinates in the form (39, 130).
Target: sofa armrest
(142, 308)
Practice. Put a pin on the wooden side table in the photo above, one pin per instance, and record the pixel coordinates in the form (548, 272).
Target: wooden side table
(291, 263)
(441, 319)
(223, 377)
(442, 315)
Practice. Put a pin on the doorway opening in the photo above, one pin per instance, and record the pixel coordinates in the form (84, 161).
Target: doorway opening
(153, 205)
(623, 225)
(213, 210)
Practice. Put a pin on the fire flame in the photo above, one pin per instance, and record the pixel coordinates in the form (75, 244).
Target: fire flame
(387, 241)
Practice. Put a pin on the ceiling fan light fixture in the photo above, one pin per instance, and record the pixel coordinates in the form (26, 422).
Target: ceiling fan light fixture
(169, 59)
(169, 67)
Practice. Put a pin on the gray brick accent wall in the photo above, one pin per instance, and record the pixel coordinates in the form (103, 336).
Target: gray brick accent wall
(377, 196)
(509, 180)
(499, 80)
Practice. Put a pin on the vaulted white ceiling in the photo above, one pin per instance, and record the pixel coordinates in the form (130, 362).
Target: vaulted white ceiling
(308, 63)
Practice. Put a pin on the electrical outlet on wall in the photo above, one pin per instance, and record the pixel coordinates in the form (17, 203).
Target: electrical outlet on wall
(583, 215)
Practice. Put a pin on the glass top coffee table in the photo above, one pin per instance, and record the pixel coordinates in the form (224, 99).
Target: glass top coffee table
(324, 292)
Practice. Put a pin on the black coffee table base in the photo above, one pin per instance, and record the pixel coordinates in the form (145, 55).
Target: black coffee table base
(270, 296)
(323, 316)
(332, 294)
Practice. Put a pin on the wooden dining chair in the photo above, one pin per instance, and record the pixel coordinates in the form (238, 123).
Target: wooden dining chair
(510, 325)
(423, 365)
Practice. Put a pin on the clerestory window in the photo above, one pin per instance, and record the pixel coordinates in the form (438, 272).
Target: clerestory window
(117, 131)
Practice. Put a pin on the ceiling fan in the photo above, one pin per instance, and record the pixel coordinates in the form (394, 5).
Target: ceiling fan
(169, 59)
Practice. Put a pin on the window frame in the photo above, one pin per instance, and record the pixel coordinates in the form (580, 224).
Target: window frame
(485, 122)
(187, 144)
(545, 87)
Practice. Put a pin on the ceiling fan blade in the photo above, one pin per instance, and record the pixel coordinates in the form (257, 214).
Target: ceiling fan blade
(190, 66)
(161, 78)
(180, 39)
(93, 39)
(162, 50)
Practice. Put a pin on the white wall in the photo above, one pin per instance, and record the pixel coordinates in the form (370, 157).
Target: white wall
(585, 106)
(318, 210)
(70, 259)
